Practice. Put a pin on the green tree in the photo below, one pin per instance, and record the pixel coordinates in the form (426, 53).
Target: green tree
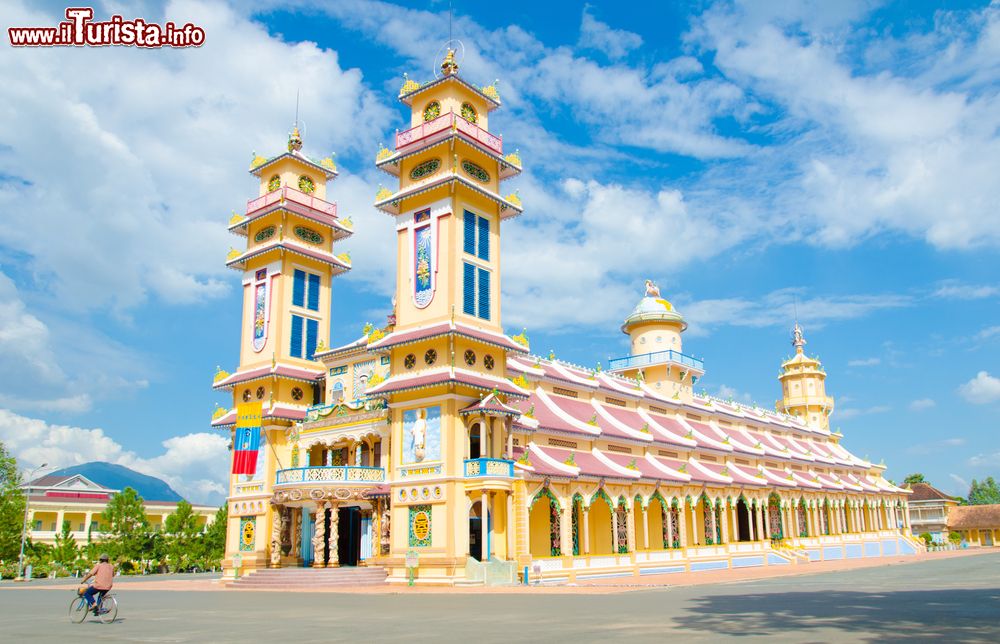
(65, 550)
(214, 539)
(11, 506)
(985, 493)
(182, 536)
(913, 478)
(125, 524)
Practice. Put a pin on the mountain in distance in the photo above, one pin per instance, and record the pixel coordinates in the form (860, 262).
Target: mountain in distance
(118, 477)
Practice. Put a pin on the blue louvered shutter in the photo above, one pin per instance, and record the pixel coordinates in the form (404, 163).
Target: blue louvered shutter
(296, 349)
(469, 289)
(469, 242)
(313, 292)
(484, 294)
(312, 331)
(299, 288)
(484, 238)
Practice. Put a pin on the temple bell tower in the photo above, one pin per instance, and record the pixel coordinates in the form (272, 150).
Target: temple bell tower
(803, 386)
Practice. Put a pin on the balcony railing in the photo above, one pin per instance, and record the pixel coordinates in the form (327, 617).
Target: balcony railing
(442, 123)
(657, 357)
(331, 474)
(295, 196)
(489, 468)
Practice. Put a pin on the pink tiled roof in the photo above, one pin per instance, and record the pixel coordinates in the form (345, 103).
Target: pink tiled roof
(280, 370)
(490, 405)
(420, 380)
(442, 328)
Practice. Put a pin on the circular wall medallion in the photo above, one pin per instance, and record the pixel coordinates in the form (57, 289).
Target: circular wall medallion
(425, 169)
(488, 362)
(470, 357)
(410, 361)
(246, 395)
(469, 113)
(475, 171)
(264, 234)
(297, 393)
(432, 111)
(431, 356)
(306, 185)
(308, 235)
(260, 393)
(273, 183)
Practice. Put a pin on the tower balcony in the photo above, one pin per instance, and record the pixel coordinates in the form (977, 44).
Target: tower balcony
(287, 198)
(287, 193)
(440, 127)
(496, 468)
(669, 356)
(333, 474)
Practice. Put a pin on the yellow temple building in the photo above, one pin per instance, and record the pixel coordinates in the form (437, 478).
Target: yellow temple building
(441, 441)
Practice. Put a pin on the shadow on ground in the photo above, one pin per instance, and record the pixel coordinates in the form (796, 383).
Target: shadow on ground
(957, 615)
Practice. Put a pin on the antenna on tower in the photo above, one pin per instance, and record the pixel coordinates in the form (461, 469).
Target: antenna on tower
(296, 107)
(450, 12)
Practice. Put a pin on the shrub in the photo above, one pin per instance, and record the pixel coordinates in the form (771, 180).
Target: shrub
(926, 538)
(955, 537)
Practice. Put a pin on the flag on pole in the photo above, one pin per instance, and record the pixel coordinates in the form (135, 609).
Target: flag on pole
(246, 441)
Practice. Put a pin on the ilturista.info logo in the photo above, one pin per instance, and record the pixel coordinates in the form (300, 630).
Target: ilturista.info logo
(80, 30)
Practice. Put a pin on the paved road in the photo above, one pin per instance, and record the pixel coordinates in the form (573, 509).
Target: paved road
(956, 600)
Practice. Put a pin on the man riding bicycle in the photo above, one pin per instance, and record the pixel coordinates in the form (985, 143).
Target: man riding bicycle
(103, 574)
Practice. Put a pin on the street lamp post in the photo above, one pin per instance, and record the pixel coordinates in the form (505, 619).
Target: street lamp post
(24, 526)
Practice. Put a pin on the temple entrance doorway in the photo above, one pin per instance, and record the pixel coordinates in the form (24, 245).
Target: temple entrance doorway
(742, 521)
(349, 535)
(476, 537)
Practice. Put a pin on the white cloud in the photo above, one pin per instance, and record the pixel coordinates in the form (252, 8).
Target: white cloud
(934, 447)
(981, 390)
(153, 139)
(195, 465)
(726, 392)
(615, 43)
(853, 412)
(922, 404)
(956, 291)
(988, 332)
(864, 362)
(985, 460)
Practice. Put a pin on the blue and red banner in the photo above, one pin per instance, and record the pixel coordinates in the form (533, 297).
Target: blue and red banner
(246, 441)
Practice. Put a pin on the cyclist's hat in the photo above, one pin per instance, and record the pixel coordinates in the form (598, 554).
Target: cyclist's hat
(104, 557)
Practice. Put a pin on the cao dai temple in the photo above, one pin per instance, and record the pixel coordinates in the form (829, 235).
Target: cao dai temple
(441, 441)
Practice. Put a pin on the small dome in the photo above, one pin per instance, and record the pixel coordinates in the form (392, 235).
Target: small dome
(653, 309)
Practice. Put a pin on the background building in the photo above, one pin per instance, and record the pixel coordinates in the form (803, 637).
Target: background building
(929, 509)
(979, 525)
(55, 498)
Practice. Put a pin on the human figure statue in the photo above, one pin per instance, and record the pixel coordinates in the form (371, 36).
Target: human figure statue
(652, 290)
(418, 435)
(797, 339)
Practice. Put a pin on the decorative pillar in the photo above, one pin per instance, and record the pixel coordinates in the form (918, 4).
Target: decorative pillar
(645, 527)
(724, 513)
(319, 536)
(334, 561)
(682, 520)
(296, 535)
(484, 505)
(694, 524)
(509, 527)
(276, 535)
(60, 517)
(87, 522)
(484, 448)
(758, 533)
(713, 524)
(586, 529)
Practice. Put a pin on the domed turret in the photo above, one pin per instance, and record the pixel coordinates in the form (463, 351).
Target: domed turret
(654, 328)
(803, 386)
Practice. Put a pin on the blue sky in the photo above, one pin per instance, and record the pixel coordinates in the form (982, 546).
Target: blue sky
(835, 158)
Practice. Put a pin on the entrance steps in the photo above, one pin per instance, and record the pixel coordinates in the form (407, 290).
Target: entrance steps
(311, 578)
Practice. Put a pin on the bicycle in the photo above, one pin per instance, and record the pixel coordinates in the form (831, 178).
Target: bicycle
(107, 608)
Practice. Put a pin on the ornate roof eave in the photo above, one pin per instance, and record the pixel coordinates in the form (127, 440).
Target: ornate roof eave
(507, 169)
(230, 384)
(339, 230)
(358, 346)
(390, 205)
(383, 345)
(339, 265)
(407, 98)
(329, 173)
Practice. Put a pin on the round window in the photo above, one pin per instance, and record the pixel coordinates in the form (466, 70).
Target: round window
(306, 184)
(274, 183)
(488, 362)
(470, 357)
(432, 111)
(410, 361)
(260, 393)
(431, 356)
(297, 393)
(246, 395)
(469, 113)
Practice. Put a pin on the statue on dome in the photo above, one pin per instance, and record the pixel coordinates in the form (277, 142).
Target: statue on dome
(797, 339)
(652, 290)
(449, 66)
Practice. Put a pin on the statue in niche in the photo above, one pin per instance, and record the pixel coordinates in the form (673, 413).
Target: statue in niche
(418, 435)
(652, 290)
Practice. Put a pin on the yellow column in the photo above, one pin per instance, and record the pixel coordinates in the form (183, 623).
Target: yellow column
(694, 524)
(670, 526)
(645, 527)
(682, 520)
(586, 529)
(59, 520)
